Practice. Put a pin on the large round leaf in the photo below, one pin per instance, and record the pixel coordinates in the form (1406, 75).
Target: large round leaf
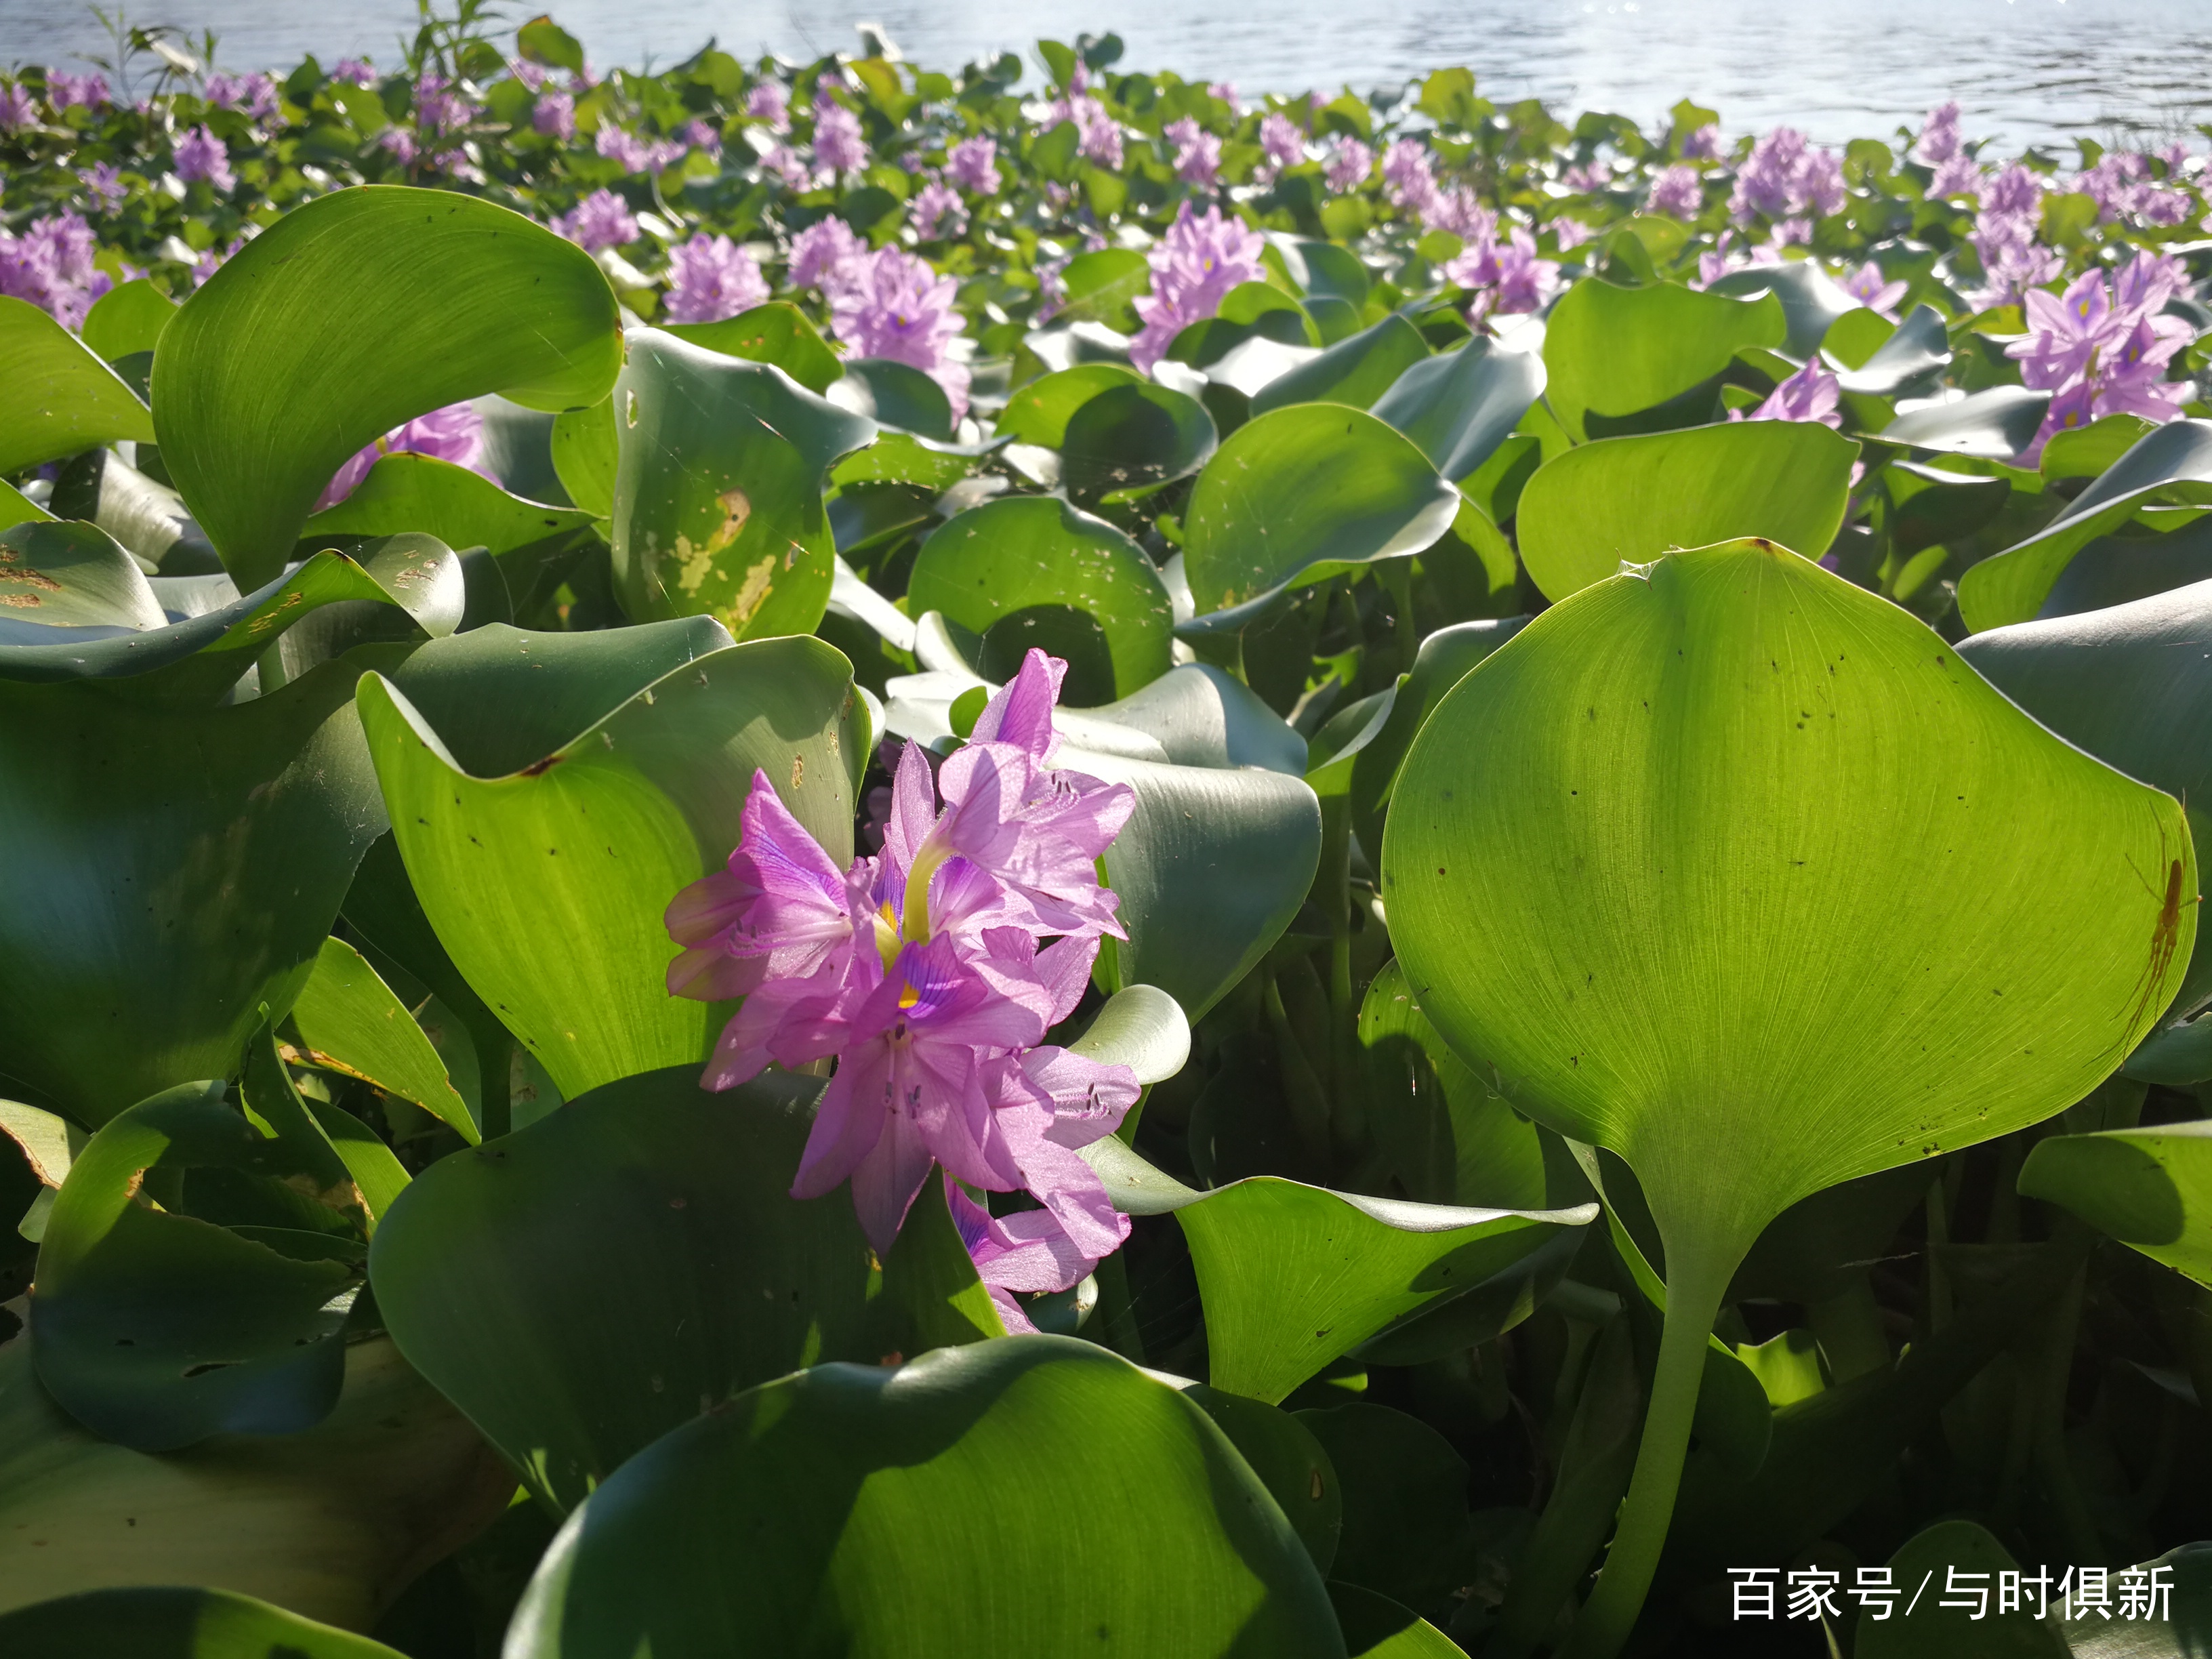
(2150, 1188)
(164, 871)
(61, 397)
(717, 503)
(332, 1522)
(1615, 351)
(158, 1328)
(2133, 686)
(777, 333)
(663, 1208)
(1032, 571)
(351, 1023)
(1304, 493)
(1356, 370)
(545, 866)
(1624, 501)
(1460, 405)
(1644, 862)
(327, 311)
(461, 508)
(176, 1623)
(862, 1512)
(1113, 428)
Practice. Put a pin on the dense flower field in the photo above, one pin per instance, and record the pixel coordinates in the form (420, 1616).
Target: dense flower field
(839, 860)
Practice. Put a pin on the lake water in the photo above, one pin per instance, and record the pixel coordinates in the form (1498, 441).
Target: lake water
(2027, 70)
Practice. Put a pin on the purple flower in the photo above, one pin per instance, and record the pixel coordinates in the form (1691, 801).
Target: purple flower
(702, 134)
(453, 433)
(16, 109)
(1784, 177)
(1961, 175)
(628, 151)
(532, 76)
(2104, 351)
(919, 969)
(1868, 287)
(554, 115)
(974, 165)
(439, 109)
(823, 254)
(1349, 164)
(1226, 91)
(399, 143)
(711, 278)
(601, 220)
(937, 211)
(200, 155)
(892, 305)
(1567, 233)
(211, 261)
(770, 102)
(1809, 395)
(1939, 138)
(224, 91)
(1098, 132)
(1677, 192)
(104, 183)
(838, 143)
(1509, 279)
(1590, 175)
(1283, 140)
(66, 91)
(1052, 291)
(354, 71)
(2120, 183)
(1198, 153)
(51, 266)
(2012, 261)
(785, 163)
(1409, 176)
(2016, 191)
(1703, 144)
(1193, 267)
(1456, 210)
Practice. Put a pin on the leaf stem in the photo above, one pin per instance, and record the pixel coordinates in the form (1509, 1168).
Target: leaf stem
(1696, 1285)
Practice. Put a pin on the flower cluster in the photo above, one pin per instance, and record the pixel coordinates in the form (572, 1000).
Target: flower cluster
(2004, 235)
(973, 164)
(1098, 134)
(2102, 349)
(201, 155)
(890, 304)
(1505, 278)
(1197, 152)
(1193, 267)
(601, 220)
(1785, 177)
(931, 972)
(838, 143)
(51, 265)
(1678, 191)
(937, 211)
(711, 278)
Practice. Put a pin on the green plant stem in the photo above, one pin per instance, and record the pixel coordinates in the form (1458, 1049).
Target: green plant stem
(1117, 1316)
(1696, 1285)
(1848, 1327)
(2052, 1466)
(494, 1048)
(1397, 579)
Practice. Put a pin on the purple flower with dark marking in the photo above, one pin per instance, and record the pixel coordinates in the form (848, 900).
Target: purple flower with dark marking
(892, 305)
(201, 156)
(1193, 267)
(453, 433)
(921, 971)
(1677, 192)
(2104, 350)
(711, 278)
(601, 220)
(973, 164)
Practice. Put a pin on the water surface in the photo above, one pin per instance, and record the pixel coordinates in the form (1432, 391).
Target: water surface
(2027, 70)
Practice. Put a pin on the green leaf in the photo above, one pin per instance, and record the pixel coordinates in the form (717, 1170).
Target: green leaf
(189, 1624)
(1210, 869)
(1031, 570)
(931, 1297)
(777, 333)
(546, 878)
(324, 310)
(1934, 1630)
(62, 397)
(2150, 1188)
(1113, 429)
(1355, 371)
(1832, 739)
(1625, 501)
(768, 1526)
(1140, 1027)
(541, 40)
(2084, 452)
(17, 508)
(1304, 493)
(1290, 1462)
(1099, 285)
(128, 319)
(1407, 1533)
(2130, 685)
(2091, 1635)
(1445, 658)
(226, 838)
(667, 1209)
(1919, 349)
(717, 502)
(895, 394)
(156, 1328)
(1459, 406)
(351, 1023)
(1615, 351)
(587, 449)
(1995, 423)
(461, 508)
(1811, 300)
(1294, 1276)
(2174, 462)
(1375, 1627)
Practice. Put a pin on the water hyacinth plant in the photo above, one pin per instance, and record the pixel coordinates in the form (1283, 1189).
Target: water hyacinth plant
(1051, 861)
